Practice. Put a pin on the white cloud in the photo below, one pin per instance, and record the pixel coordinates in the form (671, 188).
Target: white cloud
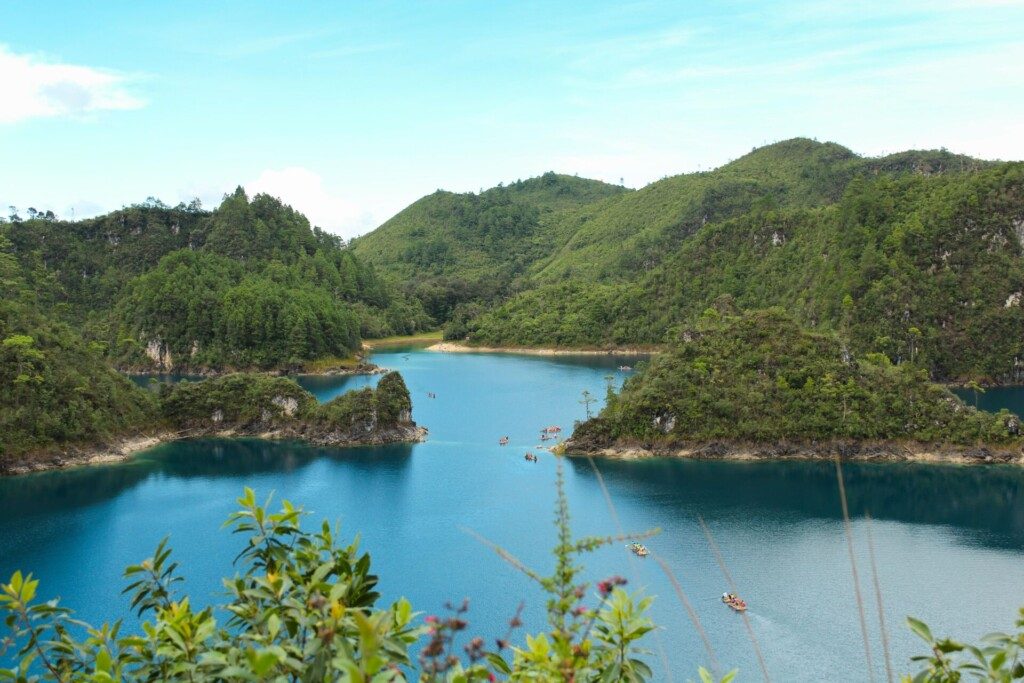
(304, 191)
(34, 87)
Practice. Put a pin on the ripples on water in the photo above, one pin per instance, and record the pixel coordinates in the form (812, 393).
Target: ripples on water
(949, 540)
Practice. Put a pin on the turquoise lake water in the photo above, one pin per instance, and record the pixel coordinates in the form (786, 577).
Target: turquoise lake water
(949, 541)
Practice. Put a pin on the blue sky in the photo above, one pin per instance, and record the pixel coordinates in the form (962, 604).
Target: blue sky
(350, 111)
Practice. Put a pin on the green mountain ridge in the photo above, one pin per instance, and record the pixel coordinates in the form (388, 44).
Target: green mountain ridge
(910, 254)
(618, 239)
(448, 250)
(922, 268)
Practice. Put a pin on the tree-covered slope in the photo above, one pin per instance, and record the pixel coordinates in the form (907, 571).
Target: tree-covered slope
(620, 239)
(449, 249)
(923, 267)
(760, 378)
(56, 387)
(250, 284)
(470, 235)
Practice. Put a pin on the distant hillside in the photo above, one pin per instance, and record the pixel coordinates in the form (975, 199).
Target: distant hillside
(619, 239)
(452, 248)
(917, 255)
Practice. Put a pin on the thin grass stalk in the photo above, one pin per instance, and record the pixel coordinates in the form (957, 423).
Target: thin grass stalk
(878, 600)
(691, 612)
(503, 554)
(848, 529)
(732, 586)
(662, 655)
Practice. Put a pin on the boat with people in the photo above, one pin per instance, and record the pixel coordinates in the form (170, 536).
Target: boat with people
(552, 429)
(503, 441)
(625, 368)
(734, 601)
(639, 549)
(531, 457)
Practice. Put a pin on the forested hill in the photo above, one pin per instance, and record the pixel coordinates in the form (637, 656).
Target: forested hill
(56, 387)
(760, 379)
(917, 255)
(618, 239)
(449, 249)
(248, 285)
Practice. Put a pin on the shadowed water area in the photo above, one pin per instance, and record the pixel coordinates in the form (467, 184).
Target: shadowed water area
(949, 540)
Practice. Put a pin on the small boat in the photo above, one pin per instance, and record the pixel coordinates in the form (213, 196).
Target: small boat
(639, 549)
(503, 441)
(553, 429)
(625, 368)
(735, 602)
(531, 457)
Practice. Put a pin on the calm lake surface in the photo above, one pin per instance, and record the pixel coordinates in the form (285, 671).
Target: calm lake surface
(949, 541)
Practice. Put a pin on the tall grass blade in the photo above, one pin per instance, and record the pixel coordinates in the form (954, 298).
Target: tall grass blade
(691, 612)
(732, 587)
(632, 560)
(878, 600)
(853, 567)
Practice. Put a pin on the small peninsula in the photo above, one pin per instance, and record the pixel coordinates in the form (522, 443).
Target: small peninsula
(758, 385)
(242, 404)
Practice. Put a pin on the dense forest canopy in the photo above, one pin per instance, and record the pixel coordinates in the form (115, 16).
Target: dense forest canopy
(911, 255)
(456, 252)
(759, 377)
(250, 284)
(56, 386)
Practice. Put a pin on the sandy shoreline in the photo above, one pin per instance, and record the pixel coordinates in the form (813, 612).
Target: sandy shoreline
(847, 451)
(452, 347)
(122, 449)
(116, 450)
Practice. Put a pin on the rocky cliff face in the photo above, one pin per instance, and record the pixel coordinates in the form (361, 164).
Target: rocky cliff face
(158, 352)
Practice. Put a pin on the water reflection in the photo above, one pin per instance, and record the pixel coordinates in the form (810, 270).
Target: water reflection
(187, 459)
(988, 499)
(995, 399)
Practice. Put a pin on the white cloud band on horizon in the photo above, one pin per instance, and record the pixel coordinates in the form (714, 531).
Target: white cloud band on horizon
(34, 87)
(305, 192)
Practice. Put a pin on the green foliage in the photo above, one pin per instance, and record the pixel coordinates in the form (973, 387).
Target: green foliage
(997, 659)
(304, 607)
(207, 312)
(237, 400)
(393, 399)
(254, 401)
(760, 377)
(250, 285)
(455, 250)
(367, 409)
(57, 389)
(912, 266)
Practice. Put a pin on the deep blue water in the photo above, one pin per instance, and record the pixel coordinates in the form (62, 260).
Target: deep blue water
(949, 540)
